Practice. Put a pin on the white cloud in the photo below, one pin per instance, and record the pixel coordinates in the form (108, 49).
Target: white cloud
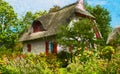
(22, 6)
(116, 25)
(56, 2)
(97, 2)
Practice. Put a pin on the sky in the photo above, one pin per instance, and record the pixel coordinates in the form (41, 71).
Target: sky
(22, 6)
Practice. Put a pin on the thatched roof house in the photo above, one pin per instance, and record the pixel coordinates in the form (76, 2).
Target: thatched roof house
(51, 22)
(47, 26)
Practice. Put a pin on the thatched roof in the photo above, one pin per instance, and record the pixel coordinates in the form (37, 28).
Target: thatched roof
(113, 35)
(51, 22)
(85, 13)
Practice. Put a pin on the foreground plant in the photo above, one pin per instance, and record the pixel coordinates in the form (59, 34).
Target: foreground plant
(107, 52)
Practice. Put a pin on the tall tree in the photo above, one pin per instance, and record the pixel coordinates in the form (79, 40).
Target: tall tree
(102, 17)
(8, 22)
(79, 35)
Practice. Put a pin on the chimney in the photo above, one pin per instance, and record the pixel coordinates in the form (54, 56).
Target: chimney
(80, 10)
(80, 5)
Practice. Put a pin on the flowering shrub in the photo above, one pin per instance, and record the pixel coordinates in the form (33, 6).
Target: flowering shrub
(86, 63)
(30, 64)
(107, 52)
(86, 55)
(94, 64)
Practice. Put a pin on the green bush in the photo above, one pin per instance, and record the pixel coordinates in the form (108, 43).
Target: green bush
(31, 64)
(64, 57)
(107, 52)
(86, 63)
(86, 55)
(114, 65)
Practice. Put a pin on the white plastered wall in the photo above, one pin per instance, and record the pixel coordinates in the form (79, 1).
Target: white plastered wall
(37, 46)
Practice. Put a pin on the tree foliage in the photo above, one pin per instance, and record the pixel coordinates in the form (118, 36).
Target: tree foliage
(79, 35)
(8, 25)
(82, 29)
(102, 17)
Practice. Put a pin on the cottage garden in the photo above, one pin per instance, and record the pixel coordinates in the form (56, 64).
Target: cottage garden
(105, 62)
(89, 53)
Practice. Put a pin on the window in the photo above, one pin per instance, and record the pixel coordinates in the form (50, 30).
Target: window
(37, 26)
(51, 47)
(29, 47)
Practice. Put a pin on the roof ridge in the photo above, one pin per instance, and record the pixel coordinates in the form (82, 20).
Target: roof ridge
(68, 5)
(65, 7)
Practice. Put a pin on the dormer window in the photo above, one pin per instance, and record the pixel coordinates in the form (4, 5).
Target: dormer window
(37, 26)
